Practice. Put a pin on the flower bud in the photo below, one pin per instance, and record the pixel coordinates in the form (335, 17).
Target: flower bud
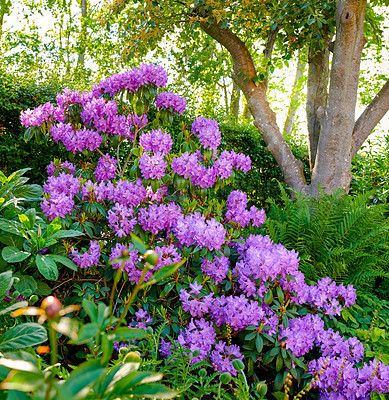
(203, 372)
(225, 378)
(151, 257)
(132, 357)
(196, 353)
(52, 306)
(262, 389)
(238, 364)
(150, 330)
(123, 351)
(33, 299)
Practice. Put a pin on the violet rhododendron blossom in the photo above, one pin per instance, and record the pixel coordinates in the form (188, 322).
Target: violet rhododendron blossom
(234, 288)
(171, 101)
(207, 130)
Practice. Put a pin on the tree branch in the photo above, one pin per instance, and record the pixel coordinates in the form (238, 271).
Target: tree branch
(265, 119)
(370, 117)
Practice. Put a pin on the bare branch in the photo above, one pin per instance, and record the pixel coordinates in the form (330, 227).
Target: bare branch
(370, 117)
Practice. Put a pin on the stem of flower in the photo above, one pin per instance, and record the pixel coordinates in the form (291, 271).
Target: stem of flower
(114, 286)
(131, 299)
(53, 344)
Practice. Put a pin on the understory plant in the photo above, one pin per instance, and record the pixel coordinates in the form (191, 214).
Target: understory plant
(237, 302)
(340, 236)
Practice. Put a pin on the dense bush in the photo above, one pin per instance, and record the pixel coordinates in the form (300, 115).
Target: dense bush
(201, 281)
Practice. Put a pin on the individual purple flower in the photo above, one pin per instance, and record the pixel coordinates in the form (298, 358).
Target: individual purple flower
(141, 320)
(156, 141)
(208, 132)
(122, 220)
(89, 258)
(171, 101)
(152, 166)
(216, 269)
(106, 168)
(223, 356)
(199, 335)
(203, 176)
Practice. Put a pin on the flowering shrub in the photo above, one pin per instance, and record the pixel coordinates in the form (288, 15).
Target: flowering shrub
(241, 296)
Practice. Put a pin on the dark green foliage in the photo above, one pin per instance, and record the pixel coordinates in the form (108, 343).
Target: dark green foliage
(17, 94)
(370, 170)
(339, 236)
(261, 182)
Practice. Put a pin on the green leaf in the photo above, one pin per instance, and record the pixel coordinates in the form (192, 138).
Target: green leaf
(138, 244)
(250, 335)
(10, 226)
(6, 281)
(25, 283)
(125, 333)
(154, 391)
(43, 289)
(10, 239)
(164, 272)
(279, 362)
(29, 192)
(86, 374)
(280, 395)
(47, 267)
(23, 335)
(65, 261)
(12, 254)
(23, 381)
(87, 333)
(259, 343)
(90, 308)
(65, 233)
(125, 385)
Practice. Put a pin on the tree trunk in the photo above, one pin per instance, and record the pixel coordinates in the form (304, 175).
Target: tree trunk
(295, 98)
(332, 167)
(317, 83)
(255, 94)
(235, 100)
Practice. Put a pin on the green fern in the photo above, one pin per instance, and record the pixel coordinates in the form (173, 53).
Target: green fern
(343, 237)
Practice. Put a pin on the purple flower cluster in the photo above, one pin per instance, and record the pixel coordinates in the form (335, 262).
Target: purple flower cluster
(59, 192)
(216, 269)
(171, 101)
(167, 255)
(141, 321)
(89, 258)
(146, 74)
(106, 168)
(127, 193)
(223, 356)
(121, 219)
(236, 210)
(208, 132)
(195, 229)
(75, 140)
(152, 166)
(156, 141)
(338, 378)
(199, 335)
(156, 217)
(40, 114)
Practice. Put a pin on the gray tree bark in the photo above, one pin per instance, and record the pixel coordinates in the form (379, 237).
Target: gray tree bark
(295, 98)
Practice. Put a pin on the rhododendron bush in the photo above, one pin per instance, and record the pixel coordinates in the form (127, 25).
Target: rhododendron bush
(238, 295)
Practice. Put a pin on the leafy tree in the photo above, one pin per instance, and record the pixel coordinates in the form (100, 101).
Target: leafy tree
(320, 28)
